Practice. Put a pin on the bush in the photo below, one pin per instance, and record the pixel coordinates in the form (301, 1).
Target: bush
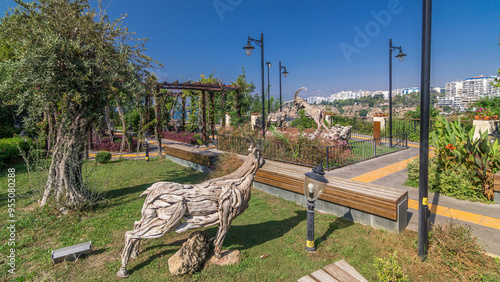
(103, 157)
(9, 150)
(184, 137)
(105, 144)
(388, 269)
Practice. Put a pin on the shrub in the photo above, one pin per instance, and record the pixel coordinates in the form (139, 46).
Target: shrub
(105, 144)
(458, 153)
(9, 150)
(388, 269)
(103, 157)
(184, 137)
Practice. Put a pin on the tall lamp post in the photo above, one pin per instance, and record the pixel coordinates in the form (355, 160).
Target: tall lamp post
(268, 89)
(146, 140)
(285, 73)
(425, 86)
(401, 57)
(314, 184)
(248, 49)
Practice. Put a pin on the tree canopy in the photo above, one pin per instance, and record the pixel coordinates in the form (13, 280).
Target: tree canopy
(68, 61)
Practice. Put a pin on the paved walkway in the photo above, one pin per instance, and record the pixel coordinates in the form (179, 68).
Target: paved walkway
(390, 171)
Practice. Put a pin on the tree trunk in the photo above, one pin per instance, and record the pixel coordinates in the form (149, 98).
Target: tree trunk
(108, 124)
(64, 182)
(124, 130)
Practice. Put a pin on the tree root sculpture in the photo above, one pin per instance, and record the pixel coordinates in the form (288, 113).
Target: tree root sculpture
(216, 201)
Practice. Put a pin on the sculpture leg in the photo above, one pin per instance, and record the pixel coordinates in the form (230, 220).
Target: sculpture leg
(225, 220)
(151, 228)
(135, 250)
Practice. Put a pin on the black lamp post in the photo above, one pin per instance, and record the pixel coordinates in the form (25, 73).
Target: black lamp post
(248, 49)
(425, 87)
(268, 89)
(401, 57)
(314, 184)
(285, 73)
(146, 140)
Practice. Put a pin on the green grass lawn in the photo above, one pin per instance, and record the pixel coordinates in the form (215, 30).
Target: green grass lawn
(270, 226)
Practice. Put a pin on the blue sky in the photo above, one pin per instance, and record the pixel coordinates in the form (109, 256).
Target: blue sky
(327, 46)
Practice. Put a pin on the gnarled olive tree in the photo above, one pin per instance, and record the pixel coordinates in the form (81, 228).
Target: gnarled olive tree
(69, 61)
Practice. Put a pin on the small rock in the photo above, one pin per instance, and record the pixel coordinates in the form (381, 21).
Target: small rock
(191, 256)
(227, 258)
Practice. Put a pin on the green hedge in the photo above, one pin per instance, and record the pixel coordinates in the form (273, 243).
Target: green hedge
(9, 150)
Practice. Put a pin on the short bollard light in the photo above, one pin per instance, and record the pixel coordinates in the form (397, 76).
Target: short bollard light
(146, 140)
(314, 184)
(24, 136)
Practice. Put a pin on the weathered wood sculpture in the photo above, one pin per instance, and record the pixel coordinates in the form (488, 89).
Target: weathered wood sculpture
(311, 111)
(216, 201)
(278, 118)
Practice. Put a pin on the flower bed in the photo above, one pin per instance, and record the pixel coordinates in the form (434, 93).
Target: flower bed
(105, 144)
(184, 137)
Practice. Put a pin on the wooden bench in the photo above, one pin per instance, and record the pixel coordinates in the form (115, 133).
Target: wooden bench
(496, 187)
(339, 271)
(370, 204)
(193, 157)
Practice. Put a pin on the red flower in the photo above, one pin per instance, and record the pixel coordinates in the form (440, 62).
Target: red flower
(450, 147)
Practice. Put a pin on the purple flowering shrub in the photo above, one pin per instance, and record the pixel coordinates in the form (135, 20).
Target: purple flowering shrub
(184, 137)
(105, 144)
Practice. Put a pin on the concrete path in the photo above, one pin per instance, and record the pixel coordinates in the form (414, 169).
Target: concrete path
(390, 171)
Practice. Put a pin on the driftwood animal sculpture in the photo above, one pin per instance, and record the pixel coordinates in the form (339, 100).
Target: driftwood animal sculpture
(278, 118)
(216, 201)
(311, 111)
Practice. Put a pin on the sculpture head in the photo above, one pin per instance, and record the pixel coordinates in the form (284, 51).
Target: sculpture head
(298, 101)
(254, 153)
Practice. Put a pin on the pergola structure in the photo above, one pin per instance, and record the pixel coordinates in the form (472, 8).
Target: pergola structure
(205, 88)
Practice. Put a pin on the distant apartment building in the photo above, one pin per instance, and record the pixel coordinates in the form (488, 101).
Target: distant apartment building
(474, 86)
(463, 93)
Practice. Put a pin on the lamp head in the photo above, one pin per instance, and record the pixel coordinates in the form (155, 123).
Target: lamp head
(147, 136)
(268, 64)
(315, 183)
(285, 73)
(401, 55)
(248, 48)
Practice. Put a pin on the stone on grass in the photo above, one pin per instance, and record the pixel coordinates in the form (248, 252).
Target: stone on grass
(191, 256)
(228, 257)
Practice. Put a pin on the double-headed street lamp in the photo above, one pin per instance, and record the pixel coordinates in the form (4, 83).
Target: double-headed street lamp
(268, 89)
(401, 57)
(285, 73)
(248, 49)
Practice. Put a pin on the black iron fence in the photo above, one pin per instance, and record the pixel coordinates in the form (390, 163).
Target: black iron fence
(310, 155)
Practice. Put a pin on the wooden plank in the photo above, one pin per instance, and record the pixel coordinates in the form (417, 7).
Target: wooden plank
(339, 273)
(349, 269)
(306, 278)
(323, 276)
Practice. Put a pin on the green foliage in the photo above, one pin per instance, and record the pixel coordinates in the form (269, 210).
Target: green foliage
(303, 121)
(433, 112)
(388, 269)
(9, 150)
(490, 103)
(464, 166)
(103, 157)
(363, 112)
